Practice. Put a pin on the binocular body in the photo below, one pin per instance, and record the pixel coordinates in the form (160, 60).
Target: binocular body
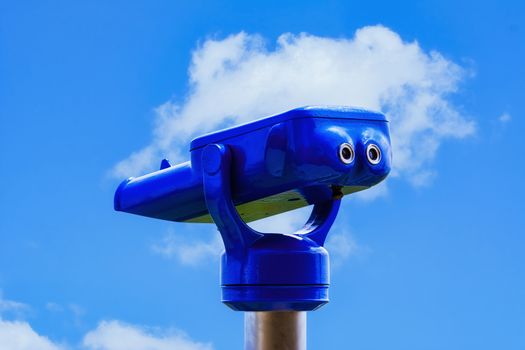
(306, 156)
(279, 163)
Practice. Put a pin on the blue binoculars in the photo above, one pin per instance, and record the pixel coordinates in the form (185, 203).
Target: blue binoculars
(306, 156)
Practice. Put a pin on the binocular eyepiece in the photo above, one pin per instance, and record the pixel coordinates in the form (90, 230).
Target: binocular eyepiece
(373, 154)
(347, 153)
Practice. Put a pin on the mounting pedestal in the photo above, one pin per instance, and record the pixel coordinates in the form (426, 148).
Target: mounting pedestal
(267, 271)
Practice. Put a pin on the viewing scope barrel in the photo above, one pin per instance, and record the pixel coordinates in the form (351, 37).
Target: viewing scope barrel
(301, 157)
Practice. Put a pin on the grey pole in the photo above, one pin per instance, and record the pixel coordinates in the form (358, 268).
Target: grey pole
(275, 330)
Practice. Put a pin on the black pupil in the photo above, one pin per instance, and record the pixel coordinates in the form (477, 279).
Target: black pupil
(346, 153)
(373, 153)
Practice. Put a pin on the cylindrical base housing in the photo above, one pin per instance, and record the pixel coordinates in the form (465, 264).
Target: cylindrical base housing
(275, 330)
(277, 272)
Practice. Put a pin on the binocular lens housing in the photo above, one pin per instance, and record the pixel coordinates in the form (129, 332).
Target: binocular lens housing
(373, 154)
(279, 163)
(346, 153)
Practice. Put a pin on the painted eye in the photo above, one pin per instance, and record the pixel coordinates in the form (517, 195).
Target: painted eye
(346, 153)
(373, 154)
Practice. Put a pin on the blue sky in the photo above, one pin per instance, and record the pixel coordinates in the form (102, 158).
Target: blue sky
(432, 260)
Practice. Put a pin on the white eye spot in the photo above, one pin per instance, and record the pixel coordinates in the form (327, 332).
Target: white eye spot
(346, 153)
(373, 154)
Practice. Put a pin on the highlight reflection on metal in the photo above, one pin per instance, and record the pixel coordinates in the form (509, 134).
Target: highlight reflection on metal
(307, 156)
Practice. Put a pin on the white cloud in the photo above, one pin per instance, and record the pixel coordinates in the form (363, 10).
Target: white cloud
(505, 118)
(54, 307)
(18, 335)
(378, 191)
(238, 79)
(196, 252)
(341, 245)
(287, 222)
(109, 335)
(115, 335)
(187, 251)
(422, 178)
(10, 307)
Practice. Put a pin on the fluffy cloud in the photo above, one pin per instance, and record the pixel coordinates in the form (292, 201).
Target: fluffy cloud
(287, 222)
(18, 335)
(109, 335)
(505, 118)
(196, 252)
(341, 245)
(239, 78)
(114, 335)
(12, 308)
(187, 251)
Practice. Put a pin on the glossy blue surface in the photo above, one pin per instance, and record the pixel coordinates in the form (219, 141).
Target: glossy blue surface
(295, 151)
(261, 272)
(256, 170)
(334, 112)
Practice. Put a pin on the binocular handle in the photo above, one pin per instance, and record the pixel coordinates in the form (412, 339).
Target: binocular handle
(236, 234)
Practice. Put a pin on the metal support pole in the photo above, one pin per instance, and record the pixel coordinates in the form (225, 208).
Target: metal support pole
(275, 330)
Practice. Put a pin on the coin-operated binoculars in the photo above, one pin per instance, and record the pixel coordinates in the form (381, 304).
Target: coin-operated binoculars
(306, 156)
